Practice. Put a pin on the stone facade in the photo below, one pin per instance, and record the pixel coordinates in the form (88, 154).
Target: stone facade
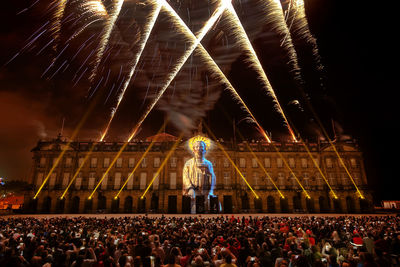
(258, 162)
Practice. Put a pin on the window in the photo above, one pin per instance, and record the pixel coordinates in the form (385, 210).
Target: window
(173, 162)
(226, 180)
(144, 163)
(68, 162)
(353, 162)
(279, 163)
(292, 163)
(172, 180)
(42, 162)
(268, 181)
(92, 178)
(344, 178)
(156, 181)
(267, 162)
(331, 178)
(78, 181)
(256, 178)
(93, 163)
(65, 180)
(117, 180)
(316, 161)
(106, 162)
(52, 182)
(357, 179)
(329, 163)
(293, 181)
(131, 162)
(242, 182)
(143, 178)
(306, 182)
(319, 179)
(39, 179)
(304, 163)
(80, 161)
(118, 164)
(226, 163)
(105, 180)
(281, 179)
(254, 163)
(129, 184)
(242, 162)
(156, 162)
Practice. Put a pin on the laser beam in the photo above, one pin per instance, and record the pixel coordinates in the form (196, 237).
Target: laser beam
(109, 168)
(138, 163)
(290, 170)
(230, 160)
(163, 164)
(78, 170)
(65, 148)
(258, 161)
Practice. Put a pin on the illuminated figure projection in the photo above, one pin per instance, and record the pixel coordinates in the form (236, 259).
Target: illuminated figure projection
(198, 174)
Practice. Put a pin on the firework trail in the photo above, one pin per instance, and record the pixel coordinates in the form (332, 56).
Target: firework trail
(147, 31)
(208, 25)
(56, 21)
(215, 71)
(219, 75)
(116, 9)
(273, 13)
(298, 26)
(245, 43)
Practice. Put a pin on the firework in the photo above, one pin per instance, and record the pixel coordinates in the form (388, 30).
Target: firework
(147, 31)
(183, 59)
(116, 9)
(253, 60)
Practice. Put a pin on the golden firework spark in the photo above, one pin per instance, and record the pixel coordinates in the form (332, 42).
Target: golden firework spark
(149, 26)
(182, 60)
(116, 9)
(245, 43)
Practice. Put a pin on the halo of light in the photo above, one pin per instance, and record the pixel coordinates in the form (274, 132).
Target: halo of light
(197, 139)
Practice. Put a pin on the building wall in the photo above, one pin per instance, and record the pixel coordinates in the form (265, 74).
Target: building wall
(248, 157)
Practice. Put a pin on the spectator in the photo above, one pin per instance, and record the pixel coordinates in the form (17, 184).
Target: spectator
(136, 241)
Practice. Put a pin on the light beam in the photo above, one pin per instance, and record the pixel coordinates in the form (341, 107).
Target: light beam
(78, 170)
(137, 164)
(163, 164)
(231, 161)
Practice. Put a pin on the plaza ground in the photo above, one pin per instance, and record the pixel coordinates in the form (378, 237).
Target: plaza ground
(236, 215)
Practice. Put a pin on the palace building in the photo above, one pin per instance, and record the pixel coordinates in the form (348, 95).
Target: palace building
(71, 183)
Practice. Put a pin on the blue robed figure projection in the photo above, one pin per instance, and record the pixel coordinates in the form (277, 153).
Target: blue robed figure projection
(198, 174)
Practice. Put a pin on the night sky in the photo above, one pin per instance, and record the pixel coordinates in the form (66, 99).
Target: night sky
(357, 48)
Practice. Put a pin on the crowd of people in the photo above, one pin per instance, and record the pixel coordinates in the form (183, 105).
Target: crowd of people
(220, 241)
